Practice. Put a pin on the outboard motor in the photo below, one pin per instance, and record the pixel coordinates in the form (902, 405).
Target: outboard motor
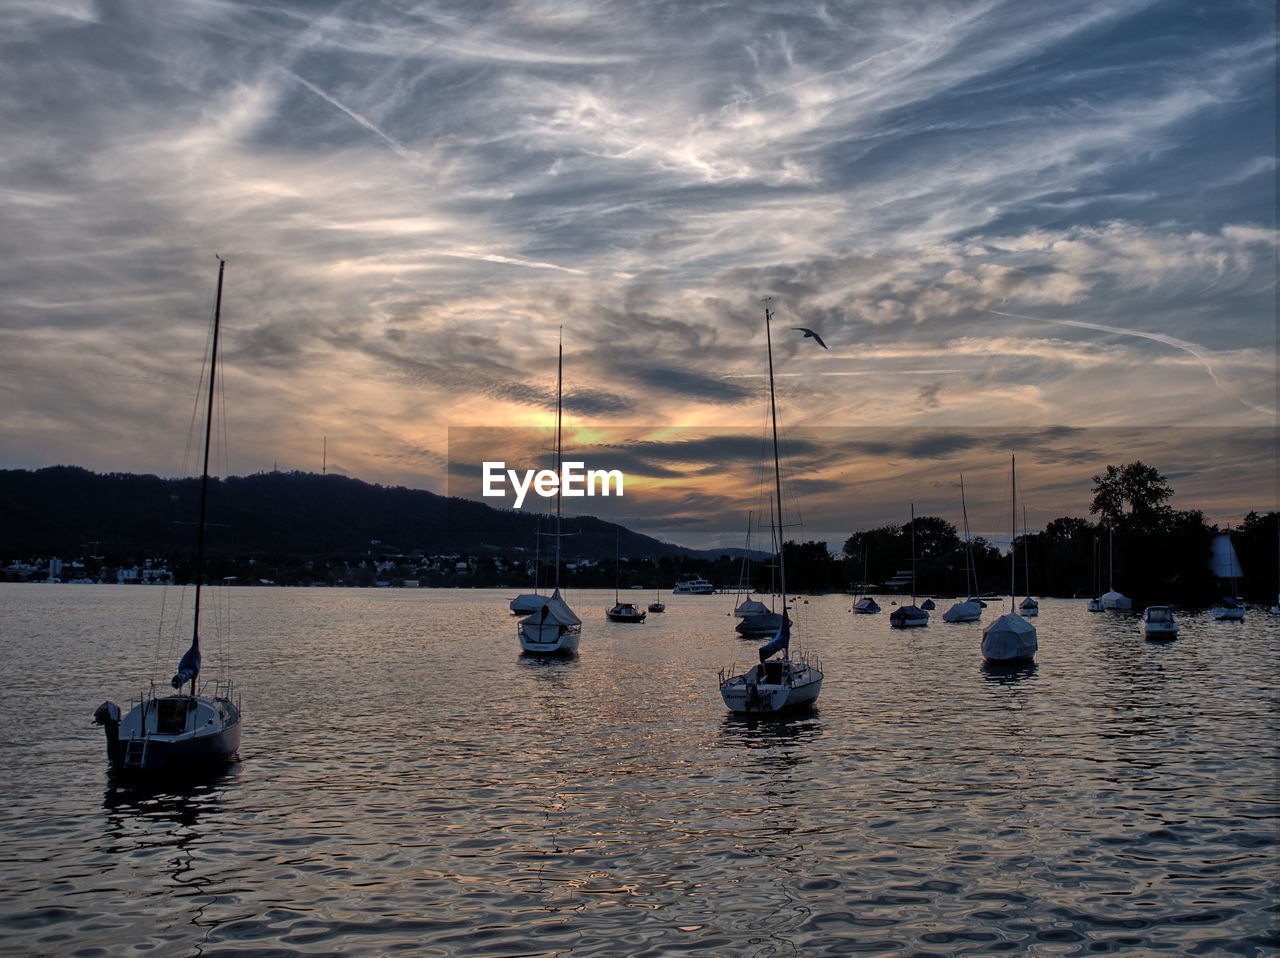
(108, 716)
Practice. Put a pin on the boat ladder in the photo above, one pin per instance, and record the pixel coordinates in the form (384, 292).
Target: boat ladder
(135, 753)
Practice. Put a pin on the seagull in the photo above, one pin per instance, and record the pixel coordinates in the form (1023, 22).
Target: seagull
(810, 333)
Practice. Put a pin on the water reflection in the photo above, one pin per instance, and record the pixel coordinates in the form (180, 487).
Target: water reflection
(490, 803)
(1008, 674)
(552, 663)
(172, 799)
(758, 731)
(168, 822)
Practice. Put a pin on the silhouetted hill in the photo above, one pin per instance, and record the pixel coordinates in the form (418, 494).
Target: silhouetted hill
(68, 510)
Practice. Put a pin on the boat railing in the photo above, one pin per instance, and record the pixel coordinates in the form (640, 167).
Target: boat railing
(222, 689)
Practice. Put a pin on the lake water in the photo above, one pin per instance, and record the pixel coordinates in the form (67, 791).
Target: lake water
(409, 783)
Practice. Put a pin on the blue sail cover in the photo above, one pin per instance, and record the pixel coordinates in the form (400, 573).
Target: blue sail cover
(189, 667)
(779, 642)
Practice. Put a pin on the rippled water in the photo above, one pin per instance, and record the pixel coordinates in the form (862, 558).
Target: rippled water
(409, 783)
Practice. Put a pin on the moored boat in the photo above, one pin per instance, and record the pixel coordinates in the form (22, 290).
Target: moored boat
(759, 625)
(1226, 566)
(910, 616)
(693, 585)
(624, 612)
(1158, 623)
(970, 610)
(1113, 601)
(1010, 639)
(790, 681)
(528, 603)
(181, 733)
(554, 628)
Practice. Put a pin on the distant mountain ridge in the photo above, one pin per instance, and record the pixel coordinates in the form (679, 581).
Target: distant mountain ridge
(68, 509)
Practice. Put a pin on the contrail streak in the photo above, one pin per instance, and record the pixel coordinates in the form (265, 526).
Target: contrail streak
(1182, 344)
(403, 151)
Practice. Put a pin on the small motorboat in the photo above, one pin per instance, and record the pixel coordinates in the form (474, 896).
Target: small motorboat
(1158, 623)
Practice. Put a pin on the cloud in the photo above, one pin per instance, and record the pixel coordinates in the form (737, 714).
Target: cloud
(998, 214)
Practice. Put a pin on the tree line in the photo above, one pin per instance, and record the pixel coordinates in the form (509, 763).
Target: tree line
(304, 529)
(1152, 552)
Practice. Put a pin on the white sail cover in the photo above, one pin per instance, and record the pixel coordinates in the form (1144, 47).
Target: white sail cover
(750, 607)
(1009, 638)
(968, 611)
(527, 602)
(1223, 561)
(1114, 600)
(557, 612)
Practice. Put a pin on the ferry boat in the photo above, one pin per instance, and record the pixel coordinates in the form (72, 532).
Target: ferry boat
(693, 585)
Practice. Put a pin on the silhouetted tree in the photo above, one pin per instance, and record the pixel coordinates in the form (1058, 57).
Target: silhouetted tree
(1258, 548)
(1136, 485)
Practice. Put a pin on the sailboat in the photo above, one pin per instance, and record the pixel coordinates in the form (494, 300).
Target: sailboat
(787, 682)
(621, 611)
(1010, 639)
(1096, 603)
(758, 620)
(864, 604)
(178, 733)
(1226, 565)
(529, 602)
(1112, 600)
(744, 604)
(910, 616)
(970, 610)
(1028, 606)
(554, 629)
(657, 605)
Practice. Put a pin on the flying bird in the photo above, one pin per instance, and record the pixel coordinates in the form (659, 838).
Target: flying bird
(810, 333)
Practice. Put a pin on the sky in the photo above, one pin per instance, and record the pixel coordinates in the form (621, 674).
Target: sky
(1042, 229)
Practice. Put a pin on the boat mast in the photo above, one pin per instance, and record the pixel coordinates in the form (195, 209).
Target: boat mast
(1111, 569)
(913, 553)
(970, 573)
(204, 479)
(777, 473)
(1026, 552)
(773, 544)
(1013, 532)
(559, 385)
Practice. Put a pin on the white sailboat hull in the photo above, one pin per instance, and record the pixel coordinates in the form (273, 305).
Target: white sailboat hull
(549, 638)
(174, 733)
(774, 686)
